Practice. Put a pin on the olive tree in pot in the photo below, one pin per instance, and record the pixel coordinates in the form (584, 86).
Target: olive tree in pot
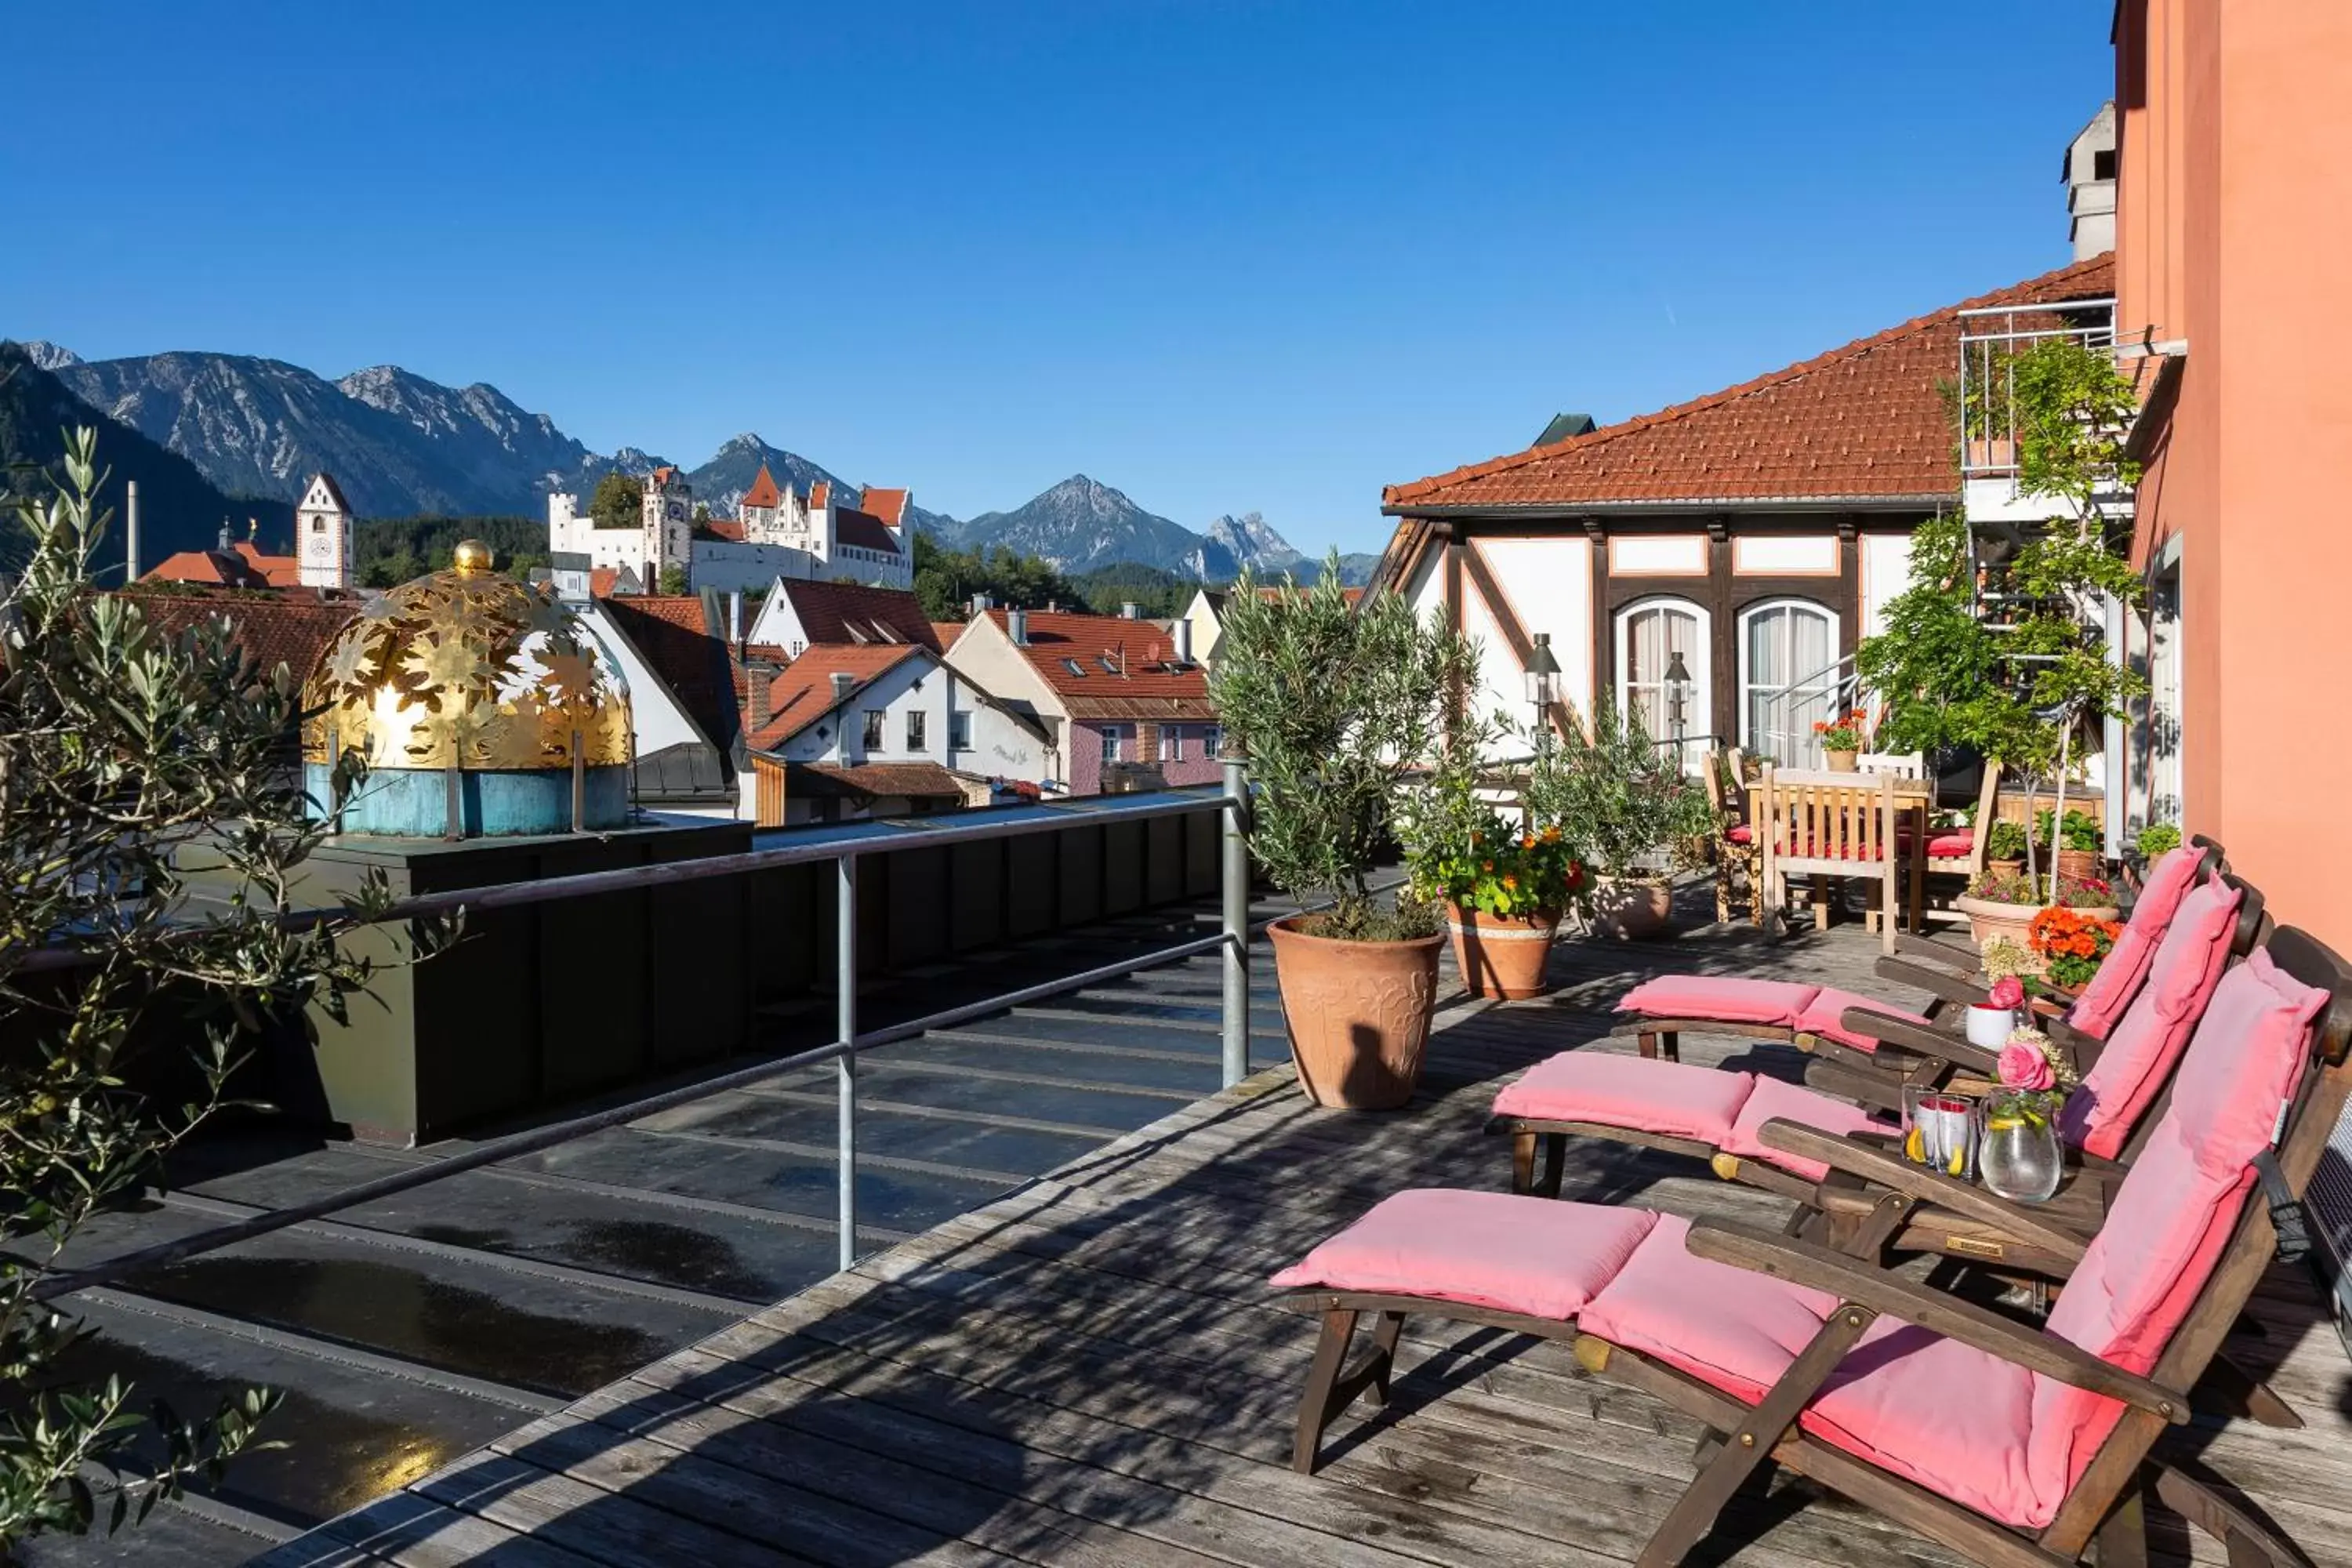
(1335, 706)
(1633, 811)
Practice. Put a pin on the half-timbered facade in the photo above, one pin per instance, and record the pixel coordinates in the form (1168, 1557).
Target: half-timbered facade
(1713, 565)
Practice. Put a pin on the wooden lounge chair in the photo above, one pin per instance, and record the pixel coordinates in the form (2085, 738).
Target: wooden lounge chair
(2016, 1447)
(1718, 1115)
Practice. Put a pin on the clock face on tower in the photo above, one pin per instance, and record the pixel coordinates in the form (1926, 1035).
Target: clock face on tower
(676, 511)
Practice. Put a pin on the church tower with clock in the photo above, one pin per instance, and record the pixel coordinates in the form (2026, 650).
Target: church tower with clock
(668, 524)
(322, 535)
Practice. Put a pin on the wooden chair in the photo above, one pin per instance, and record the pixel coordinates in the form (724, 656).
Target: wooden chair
(2060, 1472)
(1825, 825)
(1737, 852)
(1902, 764)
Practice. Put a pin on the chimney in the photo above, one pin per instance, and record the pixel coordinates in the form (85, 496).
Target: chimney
(1128, 610)
(759, 679)
(227, 539)
(735, 618)
(1181, 631)
(980, 604)
(1016, 626)
(843, 683)
(130, 532)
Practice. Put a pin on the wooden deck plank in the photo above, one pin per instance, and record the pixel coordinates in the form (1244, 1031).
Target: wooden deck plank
(1091, 1371)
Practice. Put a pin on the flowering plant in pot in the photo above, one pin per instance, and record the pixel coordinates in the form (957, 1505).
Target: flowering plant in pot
(2071, 945)
(1840, 740)
(1991, 1021)
(1335, 706)
(1508, 887)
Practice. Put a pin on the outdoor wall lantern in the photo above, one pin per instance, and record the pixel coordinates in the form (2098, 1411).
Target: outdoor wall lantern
(1678, 685)
(1543, 683)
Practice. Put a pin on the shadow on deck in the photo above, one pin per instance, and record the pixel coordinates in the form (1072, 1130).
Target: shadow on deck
(1089, 1370)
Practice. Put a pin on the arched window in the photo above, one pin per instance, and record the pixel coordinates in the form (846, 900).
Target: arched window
(1788, 679)
(1649, 633)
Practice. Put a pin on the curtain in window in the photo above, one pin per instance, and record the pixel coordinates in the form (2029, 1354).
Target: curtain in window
(1789, 651)
(1653, 636)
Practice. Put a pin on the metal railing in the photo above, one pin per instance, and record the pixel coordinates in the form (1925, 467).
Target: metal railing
(1233, 937)
(1991, 341)
(1837, 687)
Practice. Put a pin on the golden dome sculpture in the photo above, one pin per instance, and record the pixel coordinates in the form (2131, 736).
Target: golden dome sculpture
(467, 668)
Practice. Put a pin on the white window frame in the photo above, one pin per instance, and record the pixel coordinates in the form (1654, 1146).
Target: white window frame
(1700, 722)
(1805, 755)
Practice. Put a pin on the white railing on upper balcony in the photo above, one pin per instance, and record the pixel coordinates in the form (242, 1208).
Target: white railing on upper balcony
(1991, 337)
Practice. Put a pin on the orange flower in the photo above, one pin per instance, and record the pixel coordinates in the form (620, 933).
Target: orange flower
(1527, 841)
(1509, 880)
(1485, 865)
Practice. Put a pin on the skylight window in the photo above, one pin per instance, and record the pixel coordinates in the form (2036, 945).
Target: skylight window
(1074, 667)
(1107, 667)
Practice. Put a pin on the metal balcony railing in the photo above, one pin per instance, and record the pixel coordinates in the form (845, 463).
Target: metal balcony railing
(1991, 337)
(1232, 798)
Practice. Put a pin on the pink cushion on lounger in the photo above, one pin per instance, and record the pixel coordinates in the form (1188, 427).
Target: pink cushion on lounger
(1672, 1099)
(2143, 1046)
(1771, 1099)
(1823, 1015)
(2171, 1219)
(1532, 1255)
(1736, 1329)
(2118, 979)
(1721, 997)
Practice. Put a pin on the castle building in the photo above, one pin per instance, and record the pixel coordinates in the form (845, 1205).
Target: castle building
(778, 532)
(322, 535)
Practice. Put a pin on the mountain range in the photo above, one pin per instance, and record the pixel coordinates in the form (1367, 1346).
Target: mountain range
(401, 445)
(179, 507)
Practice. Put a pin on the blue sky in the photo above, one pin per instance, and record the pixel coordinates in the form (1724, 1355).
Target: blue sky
(1226, 256)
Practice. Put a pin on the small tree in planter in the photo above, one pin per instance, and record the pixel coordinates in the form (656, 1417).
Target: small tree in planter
(1335, 705)
(1635, 815)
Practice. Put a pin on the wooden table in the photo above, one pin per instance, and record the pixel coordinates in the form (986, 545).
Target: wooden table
(1915, 806)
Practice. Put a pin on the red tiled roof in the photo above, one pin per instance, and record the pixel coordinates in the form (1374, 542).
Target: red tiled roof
(1862, 422)
(927, 780)
(763, 492)
(889, 505)
(819, 493)
(802, 693)
(1148, 687)
(947, 632)
(726, 528)
(242, 565)
(663, 474)
(602, 580)
(275, 628)
(864, 530)
(676, 639)
(851, 613)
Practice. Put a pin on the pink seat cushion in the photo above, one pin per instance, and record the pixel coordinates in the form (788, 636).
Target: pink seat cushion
(1676, 1100)
(1825, 1014)
(2172, 1219)
(2120, 975)
(1736, 1329)
(1530, 1255)
(1740, 833)
(1952, 845)
(2143, 1046)
(1771, 1099)
(1720, 997)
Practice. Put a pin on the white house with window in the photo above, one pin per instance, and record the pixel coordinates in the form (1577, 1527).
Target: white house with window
(1710, 566)
(852, 731)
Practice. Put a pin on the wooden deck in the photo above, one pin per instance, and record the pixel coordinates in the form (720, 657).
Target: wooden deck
(1089, 1370)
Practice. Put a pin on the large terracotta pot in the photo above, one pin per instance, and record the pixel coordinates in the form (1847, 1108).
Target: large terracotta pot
(1843, 761)
(1359, 1014)
(1988, 918)
(1631, 907)
(1501, 955)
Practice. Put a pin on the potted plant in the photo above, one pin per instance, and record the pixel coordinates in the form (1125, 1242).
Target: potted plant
(1505, 887)
(2071, 944)
(1840, 740)
(1636, 816)
(2079, 838)
(2005, 848)
(1335, 706)
(2153, 842)
(2002, 906)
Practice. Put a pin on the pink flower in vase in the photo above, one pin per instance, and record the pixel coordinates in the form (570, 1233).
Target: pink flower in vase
(2008, 991)
(2022, 1065)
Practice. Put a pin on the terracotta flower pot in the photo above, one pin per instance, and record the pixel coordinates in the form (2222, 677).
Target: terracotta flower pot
(1358, 1012)
(1632, 907)
(1987, 920)
(2007, 868)
(1843, 761)
(2079, 865)
(1502, 955)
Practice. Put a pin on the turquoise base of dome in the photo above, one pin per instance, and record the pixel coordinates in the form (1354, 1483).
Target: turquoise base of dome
(405, 803)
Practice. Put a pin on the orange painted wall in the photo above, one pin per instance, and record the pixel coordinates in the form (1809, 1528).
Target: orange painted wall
(2234, 232)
